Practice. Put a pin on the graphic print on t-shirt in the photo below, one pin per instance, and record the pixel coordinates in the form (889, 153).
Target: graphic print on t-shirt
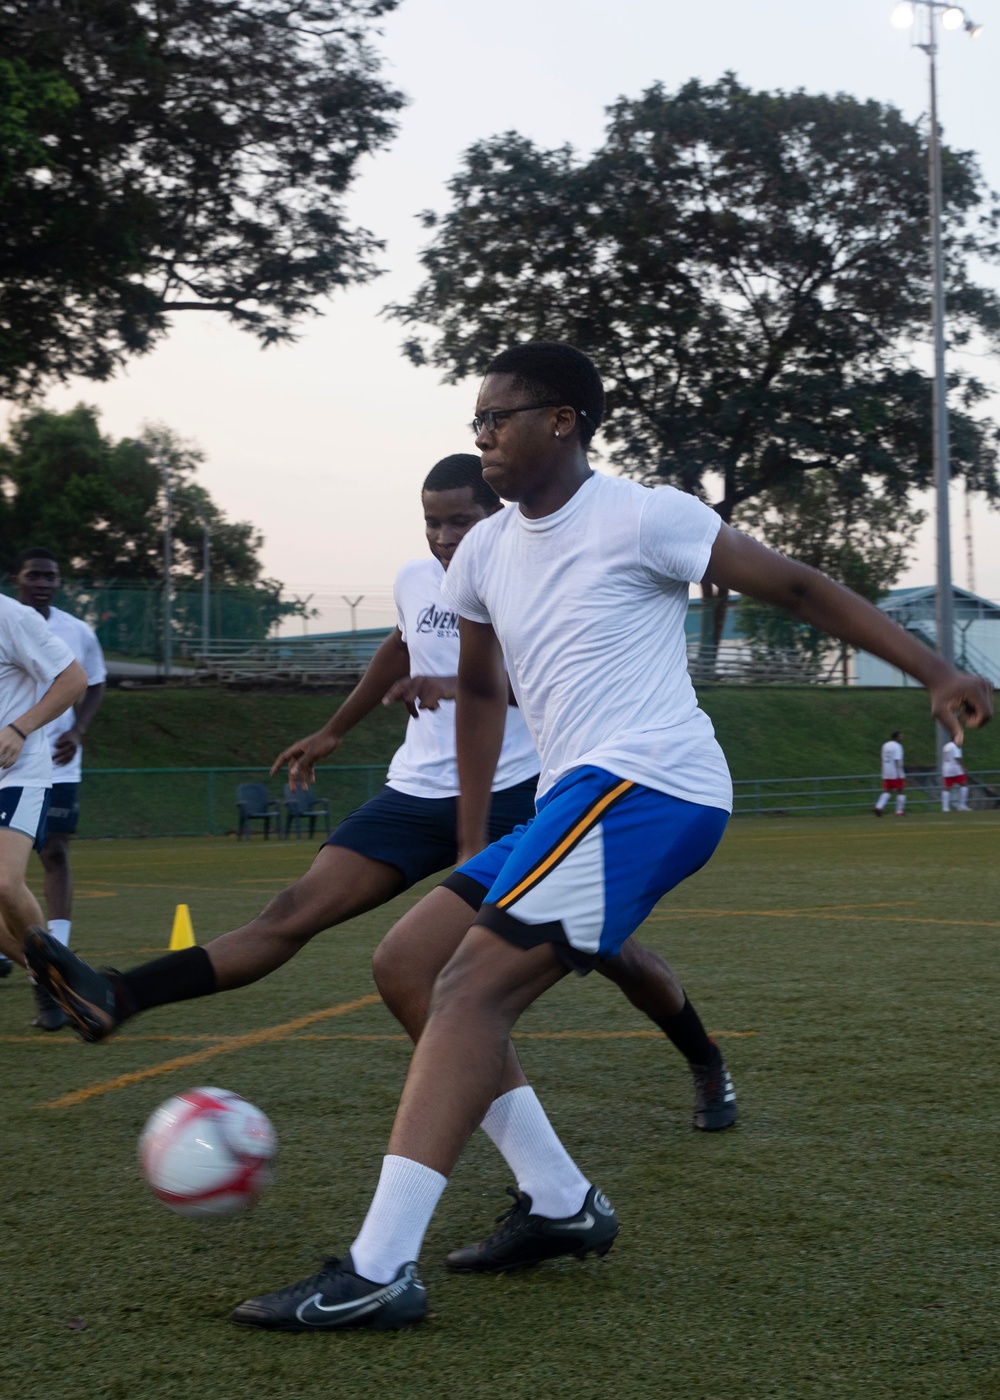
(427, 763)
(441, 622)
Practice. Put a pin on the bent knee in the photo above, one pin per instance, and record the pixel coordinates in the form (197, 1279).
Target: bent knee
(13, 888)
(55, 854)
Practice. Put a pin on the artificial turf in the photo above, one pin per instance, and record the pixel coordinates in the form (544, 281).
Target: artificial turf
(842, 1241)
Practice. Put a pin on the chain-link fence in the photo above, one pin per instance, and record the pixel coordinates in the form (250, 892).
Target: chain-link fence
(202, 801)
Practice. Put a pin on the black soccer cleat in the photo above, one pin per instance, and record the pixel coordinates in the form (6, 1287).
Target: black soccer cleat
(714, 1097)
(337, 1298)
(51, 1016)
(525, 1240)
(6, 965)
(84, 993)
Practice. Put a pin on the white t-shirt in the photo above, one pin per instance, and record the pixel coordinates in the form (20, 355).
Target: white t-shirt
(427, 763)
(30, 659)
(951, 760)
(892, 759)
(589, 606)
(82, 642)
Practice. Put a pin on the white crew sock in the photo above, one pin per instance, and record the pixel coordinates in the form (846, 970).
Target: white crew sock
(519, 1129)
(945, 799)
(963, 799)
(900, 804)
(59, 928)
(882, 801)
(405, 1199)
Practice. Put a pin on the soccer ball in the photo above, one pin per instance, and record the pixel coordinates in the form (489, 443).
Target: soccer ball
(207, 1152)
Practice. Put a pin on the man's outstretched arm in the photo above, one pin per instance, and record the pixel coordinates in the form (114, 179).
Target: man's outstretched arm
(480, 716)
(744, 565)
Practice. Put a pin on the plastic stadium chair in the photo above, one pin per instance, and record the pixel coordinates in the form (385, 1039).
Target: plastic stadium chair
(254, 805)
(303, 804)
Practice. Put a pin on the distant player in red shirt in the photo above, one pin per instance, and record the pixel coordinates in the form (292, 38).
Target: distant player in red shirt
(893, 775)
(953, 775)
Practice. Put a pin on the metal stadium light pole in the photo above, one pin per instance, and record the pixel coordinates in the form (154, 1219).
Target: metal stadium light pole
(952, 17)
(206, 583)
(168, 550)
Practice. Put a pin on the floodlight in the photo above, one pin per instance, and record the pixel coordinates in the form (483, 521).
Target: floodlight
(974, 30)
(903, 16)
(953, 17)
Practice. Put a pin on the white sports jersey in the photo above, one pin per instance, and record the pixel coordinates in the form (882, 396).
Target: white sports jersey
(30, 659)
(589, 606)
(892, 760)
(82, 642)
(427, 763)
(951, 760)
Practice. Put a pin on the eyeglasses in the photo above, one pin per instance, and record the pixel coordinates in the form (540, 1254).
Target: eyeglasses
(490, 417)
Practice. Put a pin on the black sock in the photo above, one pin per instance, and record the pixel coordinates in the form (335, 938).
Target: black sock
(689, 1035)
(176, 977)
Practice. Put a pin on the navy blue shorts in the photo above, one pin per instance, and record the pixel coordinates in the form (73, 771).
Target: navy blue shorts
(417, 834)
(64, 809)
(25, 809)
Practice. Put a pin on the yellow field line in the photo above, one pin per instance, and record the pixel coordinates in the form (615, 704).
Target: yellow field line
(225, 1047)
(816, 914)
(802, 909)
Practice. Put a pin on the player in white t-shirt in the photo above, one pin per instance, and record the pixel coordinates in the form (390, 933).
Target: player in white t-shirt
(580, 592)
(893, 775)
(405, 833)
(37, 580)
(32, 660)
(953, 778)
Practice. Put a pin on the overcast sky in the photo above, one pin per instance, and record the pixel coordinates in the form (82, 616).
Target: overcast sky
(323, 444)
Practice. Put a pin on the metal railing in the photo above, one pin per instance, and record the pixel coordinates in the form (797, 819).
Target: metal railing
(852, 793)
(119, 802)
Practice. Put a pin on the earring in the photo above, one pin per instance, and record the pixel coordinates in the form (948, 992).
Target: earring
(557, 432)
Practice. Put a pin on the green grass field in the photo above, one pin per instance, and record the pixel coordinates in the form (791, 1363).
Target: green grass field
(841, 1242)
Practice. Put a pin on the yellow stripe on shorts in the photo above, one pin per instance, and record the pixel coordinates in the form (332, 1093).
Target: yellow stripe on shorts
(588, 819)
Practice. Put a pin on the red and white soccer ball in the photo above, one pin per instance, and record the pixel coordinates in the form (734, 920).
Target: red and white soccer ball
(207, 1152)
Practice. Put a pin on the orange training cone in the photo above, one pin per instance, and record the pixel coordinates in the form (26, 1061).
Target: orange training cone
(182, 935)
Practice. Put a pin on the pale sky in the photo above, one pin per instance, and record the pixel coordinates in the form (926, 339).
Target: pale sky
(323, 444)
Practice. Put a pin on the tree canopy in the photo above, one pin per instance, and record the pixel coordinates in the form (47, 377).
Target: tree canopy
(750, 272)
(98, 504)
(177, 155)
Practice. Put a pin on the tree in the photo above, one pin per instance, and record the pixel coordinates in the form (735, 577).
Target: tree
(177, 155)
(99, 506)
(749, 270)
(832, 523)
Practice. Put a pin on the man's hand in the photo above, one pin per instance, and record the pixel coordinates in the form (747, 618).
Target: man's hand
(959, 696)
(11, 745)
(66, 746)
(303, 756)
(421, 692)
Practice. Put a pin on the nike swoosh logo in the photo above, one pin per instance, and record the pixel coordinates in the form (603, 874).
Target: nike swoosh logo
(314, 1312)
(583, 1224)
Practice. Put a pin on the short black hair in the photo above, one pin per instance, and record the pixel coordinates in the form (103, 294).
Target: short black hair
(554, 370)
(458, 470)
(34, 551)
(896, 733)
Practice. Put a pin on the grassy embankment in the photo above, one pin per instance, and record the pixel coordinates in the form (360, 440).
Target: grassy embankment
(766, 731)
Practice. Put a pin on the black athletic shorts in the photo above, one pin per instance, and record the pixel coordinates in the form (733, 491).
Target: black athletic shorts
(64, 809)
(417, 834)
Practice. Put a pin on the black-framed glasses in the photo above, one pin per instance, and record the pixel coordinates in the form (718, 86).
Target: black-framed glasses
(490, 417)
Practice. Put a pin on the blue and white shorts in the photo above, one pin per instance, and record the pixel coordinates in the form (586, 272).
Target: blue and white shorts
(25, 809)
(586, 871)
